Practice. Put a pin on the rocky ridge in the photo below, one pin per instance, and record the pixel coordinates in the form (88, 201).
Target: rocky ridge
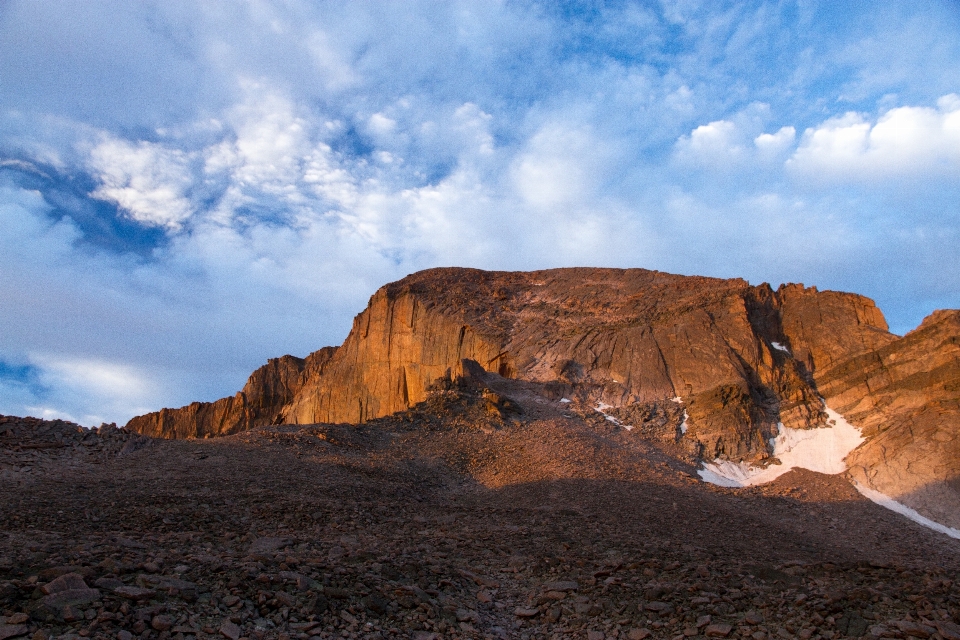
(268, 390)
(905, 397)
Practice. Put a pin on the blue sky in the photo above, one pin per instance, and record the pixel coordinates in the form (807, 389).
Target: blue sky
(188, 189)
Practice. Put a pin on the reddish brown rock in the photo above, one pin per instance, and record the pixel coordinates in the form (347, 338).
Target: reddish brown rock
(268, 389)
(12, 630)
(823, 328)
(905, 397)
(621, 337)
(624, 337)
(65, 582)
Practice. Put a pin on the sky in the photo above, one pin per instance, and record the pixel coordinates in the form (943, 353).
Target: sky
(190, 188)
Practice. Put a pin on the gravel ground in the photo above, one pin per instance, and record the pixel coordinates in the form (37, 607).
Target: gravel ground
(478, 514)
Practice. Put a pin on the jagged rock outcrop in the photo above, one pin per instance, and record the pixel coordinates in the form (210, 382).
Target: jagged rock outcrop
(823, 328)
(267, 391)
(617, 336)
(622, 337)
(905, 397)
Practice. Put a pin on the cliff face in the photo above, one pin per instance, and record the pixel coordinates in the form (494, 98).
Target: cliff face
(905, 397)
(397, 347)
(626, 338)
(620, 337)
(824, 328)
(267, 391)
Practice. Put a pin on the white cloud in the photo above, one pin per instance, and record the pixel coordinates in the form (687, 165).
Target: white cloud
(381, 124)
(96, 387)
(715, 145)
(337, 71)
(772, 145)
(558, 168)
(149, 182)
(905, 141)
(474, 123)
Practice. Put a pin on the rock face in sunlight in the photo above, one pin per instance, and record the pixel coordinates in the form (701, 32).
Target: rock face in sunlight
(708, 367)
(267, 391)
(627, 338)
(905, 397)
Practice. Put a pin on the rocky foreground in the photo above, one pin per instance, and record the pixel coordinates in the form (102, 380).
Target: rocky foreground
(487, 511)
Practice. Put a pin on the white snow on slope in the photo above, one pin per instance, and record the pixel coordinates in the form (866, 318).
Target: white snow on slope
(904, 510)
(821, 450)
(600, 408)
(778, 346)
(683, 425)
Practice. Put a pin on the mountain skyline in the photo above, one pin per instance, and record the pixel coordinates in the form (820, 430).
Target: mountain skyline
(186, 191)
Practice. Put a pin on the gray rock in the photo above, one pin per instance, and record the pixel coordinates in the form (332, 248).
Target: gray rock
(63, 603)
(12, 630)
(230, 631)
(948, 630)
(562, 585)
(661, 608)
(268, 545)
(109, 584)
(66, 582)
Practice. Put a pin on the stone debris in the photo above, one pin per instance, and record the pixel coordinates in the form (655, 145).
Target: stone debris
(546, 527)
(12, 630)
(31, 447)
(230, 630)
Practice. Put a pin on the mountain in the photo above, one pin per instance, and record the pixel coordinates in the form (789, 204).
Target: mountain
(712, 366)
(268, 390)
(905, 397)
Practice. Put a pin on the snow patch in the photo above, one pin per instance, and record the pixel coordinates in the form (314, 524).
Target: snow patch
(683, 425)
(564, 400)
(779, 347)
(678, 400)
(904, 510)
(602, 406)
(822, 450)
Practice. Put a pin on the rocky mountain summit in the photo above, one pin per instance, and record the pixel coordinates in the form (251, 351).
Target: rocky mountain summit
(620, 337)
(715, 366)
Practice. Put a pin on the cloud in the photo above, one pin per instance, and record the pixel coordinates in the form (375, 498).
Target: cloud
(149, 182)
(558, 168)
(772, 145)
(712, 145)
(905, 141)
